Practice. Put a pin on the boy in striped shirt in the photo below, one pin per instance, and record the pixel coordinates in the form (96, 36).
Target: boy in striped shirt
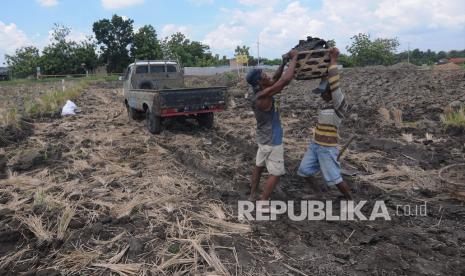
(322, 152)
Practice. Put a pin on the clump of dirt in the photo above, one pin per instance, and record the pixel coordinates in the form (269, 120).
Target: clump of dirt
(14, 133)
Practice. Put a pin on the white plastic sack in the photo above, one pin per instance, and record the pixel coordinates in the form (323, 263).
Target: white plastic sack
(69, 108)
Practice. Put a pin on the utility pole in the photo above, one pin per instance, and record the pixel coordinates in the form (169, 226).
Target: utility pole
(408, 52)
(258, 51)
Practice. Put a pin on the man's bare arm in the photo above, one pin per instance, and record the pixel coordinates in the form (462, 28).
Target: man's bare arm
(282, 82)
(278, 72)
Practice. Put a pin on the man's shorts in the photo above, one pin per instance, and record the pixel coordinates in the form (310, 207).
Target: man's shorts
(272, 157)
(321, 158)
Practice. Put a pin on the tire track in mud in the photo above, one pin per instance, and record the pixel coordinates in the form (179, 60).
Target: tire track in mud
(229, 180)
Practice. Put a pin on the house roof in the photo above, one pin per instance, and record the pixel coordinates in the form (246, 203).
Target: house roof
(457, 60)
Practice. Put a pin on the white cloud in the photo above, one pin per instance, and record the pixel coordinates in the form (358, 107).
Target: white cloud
(119, 4)
(285, 28)
(280, 25)
(225, 37)
(11, 38)
(258, 2)
(201, 2)
(48, 3)
(170, 29)
(277, 29)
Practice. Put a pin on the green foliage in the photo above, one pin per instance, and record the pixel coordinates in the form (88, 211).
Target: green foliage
(24, 62)
(59, 57)
(427, 57)
(146, 45)
(242, 50)
(189, 53)
(114, 37)
(365, 51)
(276, 61)
(345, 60)
(67, 57)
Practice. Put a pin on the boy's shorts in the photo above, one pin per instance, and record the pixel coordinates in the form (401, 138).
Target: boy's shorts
(321, 158)
(272, 157)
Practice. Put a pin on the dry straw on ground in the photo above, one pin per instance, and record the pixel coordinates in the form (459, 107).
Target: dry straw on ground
(36, 226)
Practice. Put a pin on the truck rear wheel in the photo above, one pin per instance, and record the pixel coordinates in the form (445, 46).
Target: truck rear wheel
(153, 122)
(206, 119)
(133, 113)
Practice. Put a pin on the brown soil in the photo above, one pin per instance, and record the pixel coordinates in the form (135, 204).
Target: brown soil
(167, 204)
(448, 66)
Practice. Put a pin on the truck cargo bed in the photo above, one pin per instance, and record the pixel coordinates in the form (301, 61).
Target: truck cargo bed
(168, 102)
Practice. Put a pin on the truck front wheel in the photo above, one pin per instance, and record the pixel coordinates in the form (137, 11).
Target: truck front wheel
(205, 119)
(153, 122)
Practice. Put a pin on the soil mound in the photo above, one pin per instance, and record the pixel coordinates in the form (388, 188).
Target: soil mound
(403, 65)
(447, 66)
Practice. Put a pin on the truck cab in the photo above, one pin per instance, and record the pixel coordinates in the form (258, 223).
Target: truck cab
(154, 74)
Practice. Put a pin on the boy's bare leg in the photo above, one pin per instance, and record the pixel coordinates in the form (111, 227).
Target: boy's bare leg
(345, 190)
(256, 175)
(269, 185)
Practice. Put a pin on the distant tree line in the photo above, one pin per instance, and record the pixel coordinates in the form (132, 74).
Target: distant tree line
(118, 45)
(61, 56)
(365, 51)
(115, 44)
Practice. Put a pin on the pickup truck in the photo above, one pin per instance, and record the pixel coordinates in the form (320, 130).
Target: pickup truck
(155, 89)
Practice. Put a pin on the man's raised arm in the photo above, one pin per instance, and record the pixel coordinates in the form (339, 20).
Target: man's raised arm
(283, 81)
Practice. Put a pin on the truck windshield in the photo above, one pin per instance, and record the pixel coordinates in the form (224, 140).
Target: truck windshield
(157, 68)
(142, 69)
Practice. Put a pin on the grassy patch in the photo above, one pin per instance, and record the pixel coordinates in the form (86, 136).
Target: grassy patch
(454, 118)
(14, 122)
(52, 101)
(9, 116)
(48, 80)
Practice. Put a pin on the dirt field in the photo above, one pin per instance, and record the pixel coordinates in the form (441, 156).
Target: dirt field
(96, 194)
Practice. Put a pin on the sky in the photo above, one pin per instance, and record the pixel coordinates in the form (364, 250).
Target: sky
(276, 25)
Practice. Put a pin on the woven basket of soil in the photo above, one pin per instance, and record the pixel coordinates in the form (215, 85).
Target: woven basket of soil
(312, 60)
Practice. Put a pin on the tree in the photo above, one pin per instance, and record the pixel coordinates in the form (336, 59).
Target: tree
(24, 62)
(189, 53)
(57, 56)
(84, 56)
(242, 50)
(145, 44)
(114, 37)
(441, 55)
(365, 51)
(63, 56)
(345, 60)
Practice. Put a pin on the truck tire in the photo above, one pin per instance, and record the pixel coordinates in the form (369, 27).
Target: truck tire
(153, 122)
(206, 119)
(133, 114)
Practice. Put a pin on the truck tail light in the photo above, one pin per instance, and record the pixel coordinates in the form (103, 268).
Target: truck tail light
(169, 110)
